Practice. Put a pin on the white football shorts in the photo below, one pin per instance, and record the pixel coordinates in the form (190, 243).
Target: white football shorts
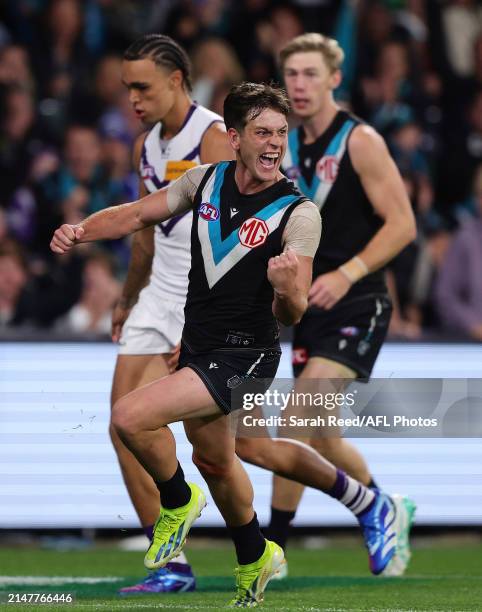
(153, 327)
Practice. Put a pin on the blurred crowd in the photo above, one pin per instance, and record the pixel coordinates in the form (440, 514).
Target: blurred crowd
(413, 70)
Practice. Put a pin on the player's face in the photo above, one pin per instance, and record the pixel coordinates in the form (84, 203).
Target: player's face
(309, 82)
(151, 89)
(262, 144)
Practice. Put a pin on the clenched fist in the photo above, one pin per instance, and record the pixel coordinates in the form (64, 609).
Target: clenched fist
(328, 289)
(65, 237)
(282, 271)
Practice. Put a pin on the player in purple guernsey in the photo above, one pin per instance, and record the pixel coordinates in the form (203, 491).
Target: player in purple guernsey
(148, 318)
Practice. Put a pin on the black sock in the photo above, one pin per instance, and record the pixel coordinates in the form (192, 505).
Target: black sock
(175, 492)
(248, 541)
(372, 484)
(279, 526)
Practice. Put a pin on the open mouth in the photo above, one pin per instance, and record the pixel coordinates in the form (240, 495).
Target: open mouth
(300, 101)
(269, 160)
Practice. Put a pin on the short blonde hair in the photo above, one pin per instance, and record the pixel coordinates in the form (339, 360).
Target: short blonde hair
(329, 48)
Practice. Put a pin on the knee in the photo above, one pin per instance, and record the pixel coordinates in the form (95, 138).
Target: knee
(124, 422)
(327, 447)
(250, 451)
(114, 436)
(212, 466)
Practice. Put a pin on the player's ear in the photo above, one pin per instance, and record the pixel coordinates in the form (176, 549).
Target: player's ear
(175, 79)
(335, 79)
(233, 136)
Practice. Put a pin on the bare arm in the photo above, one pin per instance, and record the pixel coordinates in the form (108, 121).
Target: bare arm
(142, 247)
(118, 221)
(140, 263)
(291, 272)
(215, 145)
(385, 190)
(114, 222)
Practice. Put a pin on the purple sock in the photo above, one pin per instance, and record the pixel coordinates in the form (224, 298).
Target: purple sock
(148, 531)
(340, 485)
(351, 493)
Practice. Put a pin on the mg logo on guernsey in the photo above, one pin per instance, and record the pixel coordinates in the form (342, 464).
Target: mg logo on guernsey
(208, 212)
(327, 169)
(253, 233)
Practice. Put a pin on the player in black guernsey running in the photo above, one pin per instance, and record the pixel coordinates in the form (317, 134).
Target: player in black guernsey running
(230, 250)
(268, 233)
(344, 167)
(228, 313)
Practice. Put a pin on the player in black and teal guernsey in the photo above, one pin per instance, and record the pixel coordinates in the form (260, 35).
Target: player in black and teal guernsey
(344, 167)
(253, 240)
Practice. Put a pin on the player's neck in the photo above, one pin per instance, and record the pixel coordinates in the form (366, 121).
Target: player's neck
(317, 124)
(248, 184)
(174, 120)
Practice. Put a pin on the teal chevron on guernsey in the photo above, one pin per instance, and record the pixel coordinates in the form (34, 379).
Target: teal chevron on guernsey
(220, 255)
(317, 191)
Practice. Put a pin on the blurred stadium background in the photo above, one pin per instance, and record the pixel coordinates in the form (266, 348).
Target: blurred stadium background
(413, 69)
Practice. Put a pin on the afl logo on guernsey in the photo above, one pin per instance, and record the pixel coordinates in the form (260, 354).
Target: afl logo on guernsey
(293, 173)
(253, 232)
(208, 212)
(147, 171)
(327, 169)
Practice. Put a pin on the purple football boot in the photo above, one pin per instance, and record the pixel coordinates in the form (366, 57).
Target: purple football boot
(173, 578)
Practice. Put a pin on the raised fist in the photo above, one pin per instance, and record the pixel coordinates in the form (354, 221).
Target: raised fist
(282, 271)
(65, 237)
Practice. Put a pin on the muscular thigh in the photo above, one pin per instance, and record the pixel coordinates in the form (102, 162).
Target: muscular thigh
(134, 371)
(171, 399)
(323, 368)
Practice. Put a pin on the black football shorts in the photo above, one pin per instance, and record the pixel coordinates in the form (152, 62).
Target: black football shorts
(351, 333)
(224, 370)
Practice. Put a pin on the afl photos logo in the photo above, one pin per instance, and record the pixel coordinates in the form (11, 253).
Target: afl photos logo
(208, 212)
(253, 233)
(327, 169)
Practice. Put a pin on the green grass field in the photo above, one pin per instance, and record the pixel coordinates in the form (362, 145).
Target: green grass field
(445, 576)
